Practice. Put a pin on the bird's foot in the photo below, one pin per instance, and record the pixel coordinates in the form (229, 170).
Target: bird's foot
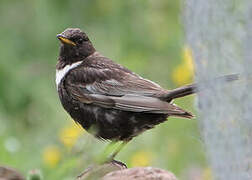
(115, 162)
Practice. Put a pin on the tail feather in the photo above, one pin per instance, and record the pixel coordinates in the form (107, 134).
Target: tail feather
(186, 114)
(180, 112)
(194, 88)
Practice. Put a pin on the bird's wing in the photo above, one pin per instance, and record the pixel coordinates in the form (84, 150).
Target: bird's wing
(113, 88)
(135, 103)
(114, 81)
(129, 84)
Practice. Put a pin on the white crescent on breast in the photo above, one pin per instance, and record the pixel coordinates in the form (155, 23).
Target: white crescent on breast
(60, 73)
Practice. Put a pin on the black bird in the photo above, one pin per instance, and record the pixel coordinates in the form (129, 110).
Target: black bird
(107, 99)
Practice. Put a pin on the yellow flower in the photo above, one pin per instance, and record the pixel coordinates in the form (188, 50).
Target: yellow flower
(51, 156)
(188, 58)
(183, 73)
(207, 174)
(141, 158)
(70, 134)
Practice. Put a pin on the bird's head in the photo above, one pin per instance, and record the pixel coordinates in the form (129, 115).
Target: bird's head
(75, 45)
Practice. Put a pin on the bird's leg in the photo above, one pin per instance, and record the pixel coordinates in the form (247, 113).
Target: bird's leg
(109, 148)
(103, 156)
(117, 150)
(106, 157)
(104, 162)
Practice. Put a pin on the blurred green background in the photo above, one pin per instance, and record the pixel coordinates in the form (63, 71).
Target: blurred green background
(144, 35)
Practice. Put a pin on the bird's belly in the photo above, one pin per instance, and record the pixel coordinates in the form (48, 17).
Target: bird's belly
(114, 124)
(110, 124)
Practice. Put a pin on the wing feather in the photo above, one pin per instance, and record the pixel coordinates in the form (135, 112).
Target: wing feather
(135, 103)
(118, 88)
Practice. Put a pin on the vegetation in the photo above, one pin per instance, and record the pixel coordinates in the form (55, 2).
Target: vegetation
(35, 131)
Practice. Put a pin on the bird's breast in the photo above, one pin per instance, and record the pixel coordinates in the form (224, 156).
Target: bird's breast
(61, 73)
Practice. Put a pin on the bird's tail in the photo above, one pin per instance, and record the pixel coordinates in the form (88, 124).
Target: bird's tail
(194, 88)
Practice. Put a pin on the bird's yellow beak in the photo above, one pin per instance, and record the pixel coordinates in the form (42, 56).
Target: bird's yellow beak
(65, 40)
